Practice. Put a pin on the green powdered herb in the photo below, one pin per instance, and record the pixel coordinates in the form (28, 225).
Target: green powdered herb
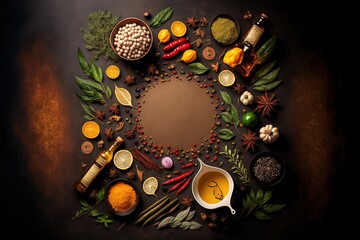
(224, 30)
(97, 33)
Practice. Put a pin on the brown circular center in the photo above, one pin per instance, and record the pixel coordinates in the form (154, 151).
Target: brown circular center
(177, 113)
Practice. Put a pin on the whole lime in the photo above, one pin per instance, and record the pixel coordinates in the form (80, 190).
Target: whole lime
(249, 119)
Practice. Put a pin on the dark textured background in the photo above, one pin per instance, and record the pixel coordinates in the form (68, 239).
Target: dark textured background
(40, 118)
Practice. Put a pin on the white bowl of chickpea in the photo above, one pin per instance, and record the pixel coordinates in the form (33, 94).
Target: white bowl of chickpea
(131, 39)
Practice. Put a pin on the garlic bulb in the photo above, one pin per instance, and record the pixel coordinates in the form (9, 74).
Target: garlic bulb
(247, 98)
(269, 133)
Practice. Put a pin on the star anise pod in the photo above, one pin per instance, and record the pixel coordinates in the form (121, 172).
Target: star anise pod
(266, 104)
(239, 88)
(203, 21)
(129, 80)
(152, 69)
(130, 175)
(187, 201)
(129, 134)
(114, 109)
(249, 140)
(192, 22)
(213, 216)
(199, 42)
(100, 115)
(113, 173)
(215, 66)
(199, 33)
(109, 134)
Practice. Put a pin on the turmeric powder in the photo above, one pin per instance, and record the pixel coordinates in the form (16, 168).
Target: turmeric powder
(122, 197)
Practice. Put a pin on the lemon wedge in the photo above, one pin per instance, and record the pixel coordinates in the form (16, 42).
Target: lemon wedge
(123, 96)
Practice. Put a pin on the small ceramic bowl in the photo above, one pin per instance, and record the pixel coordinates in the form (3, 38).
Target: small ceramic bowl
(120, 27)
(235, 36)
(208, 190)
(267, 169)
(119, 192)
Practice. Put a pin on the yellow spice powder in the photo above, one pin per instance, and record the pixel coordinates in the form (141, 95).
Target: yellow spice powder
(122, 197)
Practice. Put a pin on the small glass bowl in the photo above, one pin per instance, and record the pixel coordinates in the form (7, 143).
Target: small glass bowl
(107, 192)
(267, 169)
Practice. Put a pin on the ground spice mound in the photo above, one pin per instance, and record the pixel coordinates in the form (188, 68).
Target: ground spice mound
(122, 197)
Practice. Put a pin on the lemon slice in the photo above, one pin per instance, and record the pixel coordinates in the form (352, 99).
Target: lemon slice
(226, 78)
(178, 28)
(150, 185)
(90, 129)
(123, 96)
(123, 159)
(112, 71)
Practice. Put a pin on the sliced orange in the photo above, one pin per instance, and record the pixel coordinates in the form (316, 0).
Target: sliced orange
(90, 129)
(112, 71)
(178, 28)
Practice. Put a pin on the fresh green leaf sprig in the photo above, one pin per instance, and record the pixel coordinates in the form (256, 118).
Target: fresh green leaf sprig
(237, 165)
(231, 117)
(161, 17)
(93, 89)
(89, 111)
(264, 52)
(257, 203)
(266, 78)
(87, 208)
(183, 220)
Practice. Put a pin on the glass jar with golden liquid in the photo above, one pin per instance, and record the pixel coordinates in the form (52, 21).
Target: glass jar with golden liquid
(103, 159)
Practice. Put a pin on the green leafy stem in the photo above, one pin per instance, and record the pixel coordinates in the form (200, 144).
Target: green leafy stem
(230, 116)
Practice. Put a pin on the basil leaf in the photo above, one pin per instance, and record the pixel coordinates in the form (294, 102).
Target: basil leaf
(234, 116)
(269, 208)
(108, 92)
(261, 215)
(226, 116)
(88, 84)
(161, 17)
(226, 97)
(198, 68)
(267, 197)
(225, 134)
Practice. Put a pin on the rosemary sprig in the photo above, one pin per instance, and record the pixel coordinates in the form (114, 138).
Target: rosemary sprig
(237, 165)
(256, 203)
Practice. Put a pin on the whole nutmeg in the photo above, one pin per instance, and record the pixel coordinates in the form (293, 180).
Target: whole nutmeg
(147, 15)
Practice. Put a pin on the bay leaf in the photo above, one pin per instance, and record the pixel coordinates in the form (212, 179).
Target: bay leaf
(267, 78)
(88, 84)
(161, 17)
(96, 72)
(123, 96)
(198, 68)
(226, 97)
(108, 92)
(261, 215)
(225, 134)
(234, 116)
(263, 71)
(268, 86)
(165, 222)
(83, 63)
(182, 215)
(185, 225)
(195, 225)
(265, 50)
(190, 216)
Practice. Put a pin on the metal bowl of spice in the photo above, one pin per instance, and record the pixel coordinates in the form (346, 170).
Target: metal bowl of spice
(131, 39)
(267, 169)
(122, 196)
(224, 29)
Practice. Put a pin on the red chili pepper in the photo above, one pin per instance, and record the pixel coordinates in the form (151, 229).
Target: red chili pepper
(176, 186)
(177, 50)
(178, 178)
(188, 165)
(175, 43)
(182, 188)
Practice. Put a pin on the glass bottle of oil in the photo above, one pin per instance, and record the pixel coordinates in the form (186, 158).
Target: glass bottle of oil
(248, 44)
(100, 162)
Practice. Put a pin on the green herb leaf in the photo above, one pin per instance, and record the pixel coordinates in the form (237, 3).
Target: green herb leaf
(88, 110)
(96, 73)
(263, 71)
(267, 197)
(259, 196)
(271, 76)
(88, 84)
(226, 116)
(83, 63)
(108, 92)
(234, 116)
(165, 222)
(225, 134)
(161, 17)
(185, 225)
(226, 97)
(198, 68)
(265, 50)
(261, 215)
(88, 117)
(190, 216)
(182, 215)
(268, 87)
(269, 208)
(195, 225)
